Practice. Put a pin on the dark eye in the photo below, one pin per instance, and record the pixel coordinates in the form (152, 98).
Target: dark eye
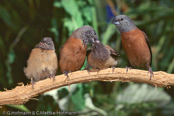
(121, 19)
(48, 43)
(90, 33)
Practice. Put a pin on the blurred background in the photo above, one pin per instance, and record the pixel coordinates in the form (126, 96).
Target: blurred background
(23, 23)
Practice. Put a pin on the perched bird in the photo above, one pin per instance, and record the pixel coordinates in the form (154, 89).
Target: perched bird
(72, 54)
(102, 56)
(42, 62)
(135, 43)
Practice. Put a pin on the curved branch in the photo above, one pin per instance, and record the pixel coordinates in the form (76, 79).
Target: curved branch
(21, 94)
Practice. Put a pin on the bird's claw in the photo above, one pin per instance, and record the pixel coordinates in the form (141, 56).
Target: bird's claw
(113, 68)
(151, 73)
(98, 69)
(128, 68)
(32, 82)
(88, 71)
(52, 76)
(66, 74)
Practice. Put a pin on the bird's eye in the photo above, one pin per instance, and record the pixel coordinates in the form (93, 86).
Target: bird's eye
(48, 43)
(90, 33)
(121, 19)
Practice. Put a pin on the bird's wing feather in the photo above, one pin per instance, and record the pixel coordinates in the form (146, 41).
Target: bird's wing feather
(148, 44)
(113, 52)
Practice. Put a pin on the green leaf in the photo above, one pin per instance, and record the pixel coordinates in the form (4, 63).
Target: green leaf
(87, 13)
(57, 4)
(68, 24)
(20, 107)
(94, 20)
(70, 7)
(171, 67)
(6, 17)
(143, 93)
(110, 30)
(11, 56)
(78, 99)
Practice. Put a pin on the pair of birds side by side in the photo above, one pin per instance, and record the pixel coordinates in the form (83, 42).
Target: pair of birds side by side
(43, 61)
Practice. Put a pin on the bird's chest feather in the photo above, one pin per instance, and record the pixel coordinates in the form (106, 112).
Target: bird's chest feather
(73, 46)
(43, 58)
(72, 54)
(135, 47)
(99, 58)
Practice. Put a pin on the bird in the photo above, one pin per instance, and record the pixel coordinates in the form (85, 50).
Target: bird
(42, 62)
(135, 43)
(72, 54)
(102, 56)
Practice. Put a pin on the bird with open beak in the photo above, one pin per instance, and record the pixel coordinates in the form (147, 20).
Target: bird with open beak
(72, 54)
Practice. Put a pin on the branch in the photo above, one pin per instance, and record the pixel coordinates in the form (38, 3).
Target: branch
(21, 94)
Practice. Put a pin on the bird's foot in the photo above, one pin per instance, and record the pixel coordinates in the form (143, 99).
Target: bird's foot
(32, 82)
(150, 71)
(113, 68)
(87, 68)
(66, 74)
(128, 68)
(52, 76)
(88, 71)
(98, 69)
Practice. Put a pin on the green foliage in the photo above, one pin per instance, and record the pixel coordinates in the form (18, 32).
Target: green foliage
(78, 95)
(58, 19)
(20, 107)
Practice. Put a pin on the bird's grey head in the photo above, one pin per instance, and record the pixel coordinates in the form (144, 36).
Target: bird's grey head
(86, 33)
(46, 43)
(123, 23)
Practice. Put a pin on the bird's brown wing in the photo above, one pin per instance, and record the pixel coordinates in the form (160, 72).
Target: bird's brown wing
(148, 44)
(113, 52)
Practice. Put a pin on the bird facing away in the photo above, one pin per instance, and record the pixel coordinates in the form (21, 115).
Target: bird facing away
(42, 62)
(72, 54)
(102, 56)
(135, 43)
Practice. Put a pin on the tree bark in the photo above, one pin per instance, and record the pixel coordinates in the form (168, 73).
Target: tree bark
(21, 94)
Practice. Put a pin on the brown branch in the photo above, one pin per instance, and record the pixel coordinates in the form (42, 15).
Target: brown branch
(22, 94)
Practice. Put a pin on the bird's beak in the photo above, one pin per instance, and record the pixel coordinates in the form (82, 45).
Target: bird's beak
(117, 54)
(115, 22)
(43, 42)
(95, 39)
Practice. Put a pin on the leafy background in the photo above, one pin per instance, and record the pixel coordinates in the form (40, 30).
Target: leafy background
(23, 23)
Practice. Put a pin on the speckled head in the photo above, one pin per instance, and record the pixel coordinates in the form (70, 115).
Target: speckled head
(86, 33)
(46, 43)
(123, 23)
